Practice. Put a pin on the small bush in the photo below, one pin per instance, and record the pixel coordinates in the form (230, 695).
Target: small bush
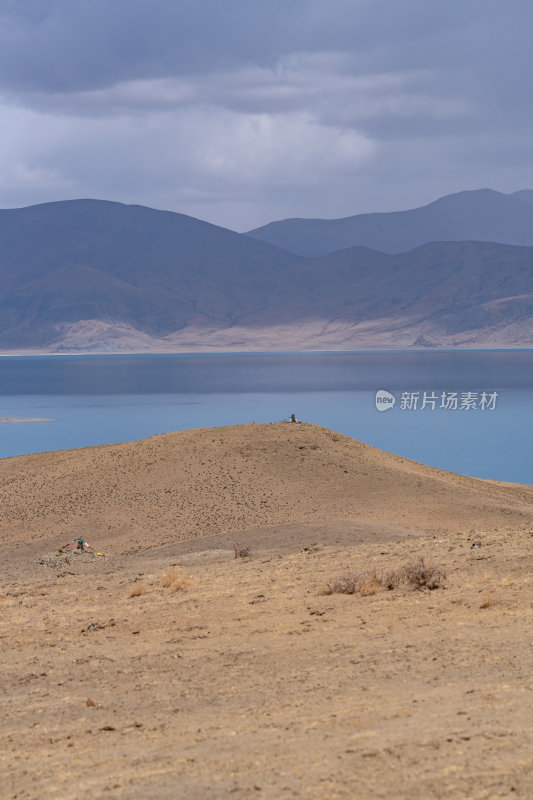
(240, 551)
(366, 583)
(423, 575)
(391, 580)
(369, 584)
(417, 574)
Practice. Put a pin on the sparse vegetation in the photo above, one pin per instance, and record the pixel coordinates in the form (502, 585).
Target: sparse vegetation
(241, 551)
(175, 580)
(345, 585)
(419, 574)
(423, 574)
(137, 591)
(370, 584)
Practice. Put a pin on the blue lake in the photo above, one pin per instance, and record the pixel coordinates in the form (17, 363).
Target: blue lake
(101, 399)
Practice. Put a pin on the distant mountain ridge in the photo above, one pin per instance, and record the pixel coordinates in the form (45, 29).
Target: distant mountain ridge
(96, 276)
(479, 215)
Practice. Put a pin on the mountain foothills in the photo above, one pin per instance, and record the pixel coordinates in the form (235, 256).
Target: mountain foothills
(98, 276)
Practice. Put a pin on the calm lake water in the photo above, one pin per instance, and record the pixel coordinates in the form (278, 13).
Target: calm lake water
(100, 399)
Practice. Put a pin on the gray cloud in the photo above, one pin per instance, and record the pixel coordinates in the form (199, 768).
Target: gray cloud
(60, 45)
(244, 111)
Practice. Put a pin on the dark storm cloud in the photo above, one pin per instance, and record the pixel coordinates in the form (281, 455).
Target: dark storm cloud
(244, 110)
(62, 45)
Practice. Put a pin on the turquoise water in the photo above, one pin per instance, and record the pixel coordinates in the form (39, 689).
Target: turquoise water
(101, 399)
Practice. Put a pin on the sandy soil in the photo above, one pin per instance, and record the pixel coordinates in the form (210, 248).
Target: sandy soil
(169, 669)
(204, 482)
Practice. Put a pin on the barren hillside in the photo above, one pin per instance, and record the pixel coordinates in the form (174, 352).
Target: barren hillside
(204, 482)
(179, 671)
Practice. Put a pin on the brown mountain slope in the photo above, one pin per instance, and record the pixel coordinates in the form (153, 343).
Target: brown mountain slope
(198, 483)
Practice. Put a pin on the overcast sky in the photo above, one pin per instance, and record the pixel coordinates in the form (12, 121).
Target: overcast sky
(244, 111)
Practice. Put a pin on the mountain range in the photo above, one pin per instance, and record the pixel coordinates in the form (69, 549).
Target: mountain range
(481, 215)
(99, 276)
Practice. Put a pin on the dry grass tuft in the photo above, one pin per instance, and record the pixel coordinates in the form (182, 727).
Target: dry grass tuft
(137, 591)
(417, 574)
(167, 579)
(176, 581)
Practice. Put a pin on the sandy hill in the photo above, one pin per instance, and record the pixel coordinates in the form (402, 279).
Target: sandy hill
(204, 482)
(181, 671)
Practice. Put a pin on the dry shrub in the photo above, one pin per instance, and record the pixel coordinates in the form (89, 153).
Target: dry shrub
(240, 551)
(417, 574)
(423, 575)
(391, 580)
(176, 581)
(137, 591)
(365, 584)
(369, 584)
(345, 585)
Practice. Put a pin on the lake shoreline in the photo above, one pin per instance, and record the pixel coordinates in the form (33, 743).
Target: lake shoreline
(18, 420)
(260, 351)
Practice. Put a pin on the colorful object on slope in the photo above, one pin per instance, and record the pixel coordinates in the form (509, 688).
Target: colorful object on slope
(80, 541)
